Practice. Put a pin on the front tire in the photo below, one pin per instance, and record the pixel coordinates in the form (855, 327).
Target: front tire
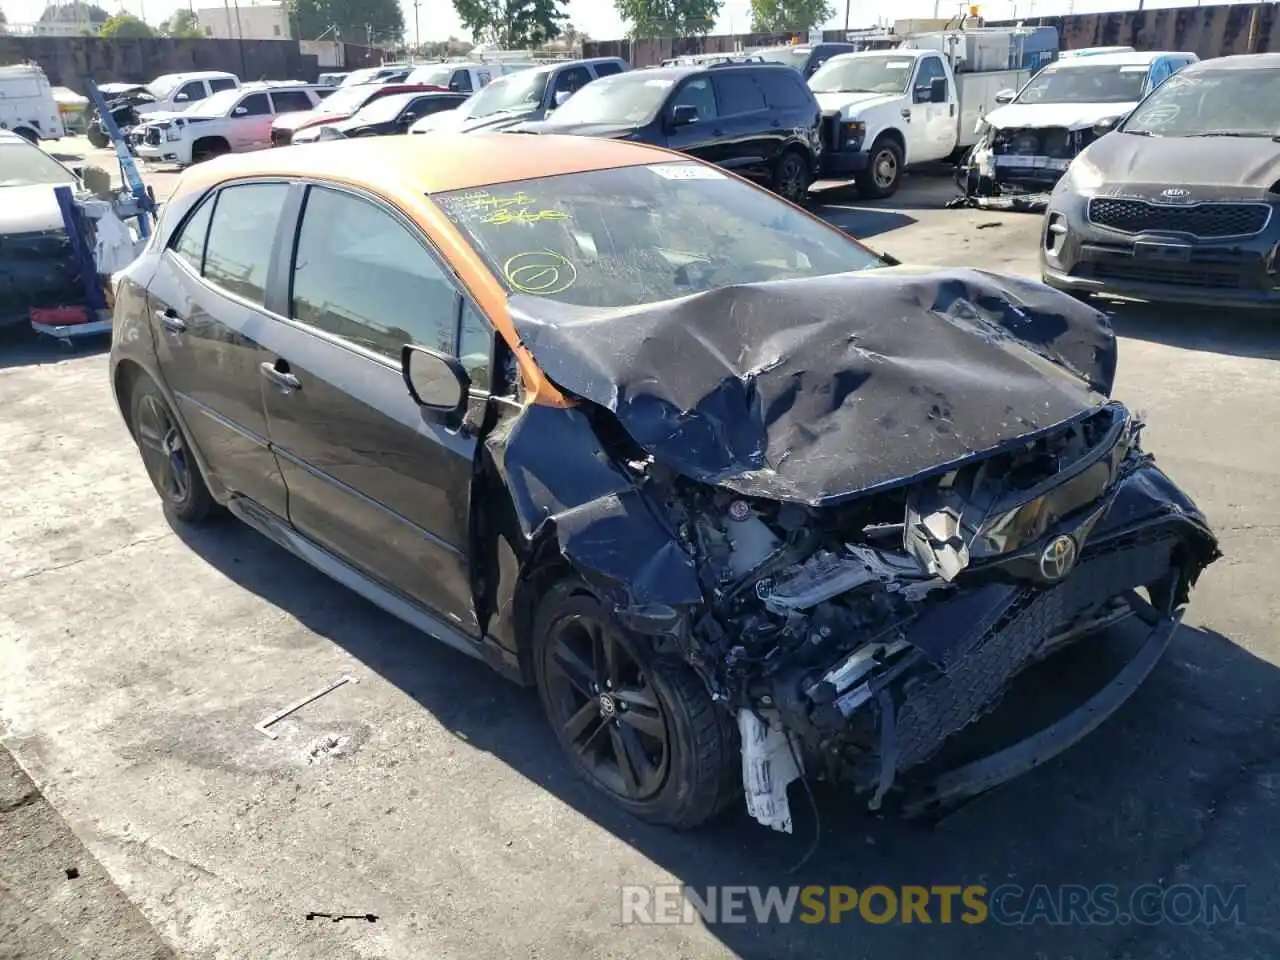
(883, 175)
(169, 461)
(638, 726)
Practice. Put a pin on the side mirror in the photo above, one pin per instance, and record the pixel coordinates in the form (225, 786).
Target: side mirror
(1006, 96)
(455, 85)
(239, 111)
(1106, 126)
(181, 98)
(407, 119)
(561, 96)
(437, 382)
(938, 90)
(683, 114)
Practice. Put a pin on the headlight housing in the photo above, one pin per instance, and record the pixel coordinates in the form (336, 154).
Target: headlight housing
(853, 131)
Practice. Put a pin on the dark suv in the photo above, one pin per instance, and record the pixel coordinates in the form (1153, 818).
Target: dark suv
(758, 120)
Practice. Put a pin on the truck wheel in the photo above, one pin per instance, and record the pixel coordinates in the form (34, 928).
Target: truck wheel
(209, 148)
(884, 171)
(638, 726)
(792, 176)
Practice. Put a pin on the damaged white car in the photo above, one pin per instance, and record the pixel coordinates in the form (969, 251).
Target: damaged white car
(1027, 144)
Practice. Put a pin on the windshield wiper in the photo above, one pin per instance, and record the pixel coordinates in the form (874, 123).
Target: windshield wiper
(1229, 133)
(1138, 133)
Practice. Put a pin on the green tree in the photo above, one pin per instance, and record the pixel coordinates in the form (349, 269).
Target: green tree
(784, 16)
(512, 23)
(355, 20)
(125, 26)
(668, 18)
(183, 23)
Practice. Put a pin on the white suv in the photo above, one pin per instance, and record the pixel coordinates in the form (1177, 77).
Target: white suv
(233, 121)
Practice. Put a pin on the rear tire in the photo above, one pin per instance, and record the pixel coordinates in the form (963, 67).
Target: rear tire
(792, 175)
(883, 175)
(167, 456)
(638, 726)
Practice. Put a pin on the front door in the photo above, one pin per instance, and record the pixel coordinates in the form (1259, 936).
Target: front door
(368, 477)
(702, 138)
(252, 123)
(207, 301)
(933, 125)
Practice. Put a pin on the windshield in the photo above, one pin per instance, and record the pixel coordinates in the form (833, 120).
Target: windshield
(626, 99)
(216, 105)
(791, 56)
(359, 76)
(517, 92)
(384, 108)
(348, 99)
(860, 74)
(25, 165)
(1112, 83)
(635, 235)
(162, 85)
(1239, 103)
(432, 76)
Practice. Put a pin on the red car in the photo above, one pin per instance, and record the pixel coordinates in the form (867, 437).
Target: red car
(339, 105)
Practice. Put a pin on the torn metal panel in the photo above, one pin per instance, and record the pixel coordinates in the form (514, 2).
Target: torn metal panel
(816, 390)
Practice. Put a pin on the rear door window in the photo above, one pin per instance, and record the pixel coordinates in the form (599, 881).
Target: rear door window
(738, 92)
(461, 81)
(290, 101)
(697, 93)
(193, 91)
(241, 236)
(783, 89)
(607, 69)
(222, 83)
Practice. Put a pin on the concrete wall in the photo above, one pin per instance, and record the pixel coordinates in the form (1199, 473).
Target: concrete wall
(67, 60)
(248, 21)
(1207, 31)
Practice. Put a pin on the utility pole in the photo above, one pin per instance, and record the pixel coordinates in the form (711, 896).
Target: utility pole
(847, 5)
(417, 37)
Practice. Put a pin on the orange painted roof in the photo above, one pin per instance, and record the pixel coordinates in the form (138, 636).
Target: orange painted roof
(431, 162)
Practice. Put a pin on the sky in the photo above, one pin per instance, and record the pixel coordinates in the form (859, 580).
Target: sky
(597, 18)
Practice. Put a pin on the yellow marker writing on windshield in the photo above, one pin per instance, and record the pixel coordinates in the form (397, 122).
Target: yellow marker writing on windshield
(541, 273)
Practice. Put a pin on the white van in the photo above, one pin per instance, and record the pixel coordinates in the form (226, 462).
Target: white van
(27, 104)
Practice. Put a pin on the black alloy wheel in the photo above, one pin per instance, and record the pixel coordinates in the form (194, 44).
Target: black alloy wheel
(791, 177)
(605, 708)
(638, 725)
(168, 460)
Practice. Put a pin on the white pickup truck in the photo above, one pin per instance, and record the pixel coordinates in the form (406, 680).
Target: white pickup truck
(898, 108)
(232, 121)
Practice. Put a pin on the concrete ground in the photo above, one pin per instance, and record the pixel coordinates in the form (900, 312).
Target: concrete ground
(135, 659)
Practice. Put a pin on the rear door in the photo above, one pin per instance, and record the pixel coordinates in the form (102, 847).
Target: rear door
(749, 137)
(207, 299)
(369, 478)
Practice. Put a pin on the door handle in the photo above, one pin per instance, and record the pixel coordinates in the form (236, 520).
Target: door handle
(171, 321)
(283, 379)
(906, 114)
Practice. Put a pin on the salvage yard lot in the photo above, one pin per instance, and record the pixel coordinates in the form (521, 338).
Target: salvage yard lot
(135, 659)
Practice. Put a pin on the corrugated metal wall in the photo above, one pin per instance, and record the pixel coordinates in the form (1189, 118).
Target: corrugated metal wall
(1207, 31)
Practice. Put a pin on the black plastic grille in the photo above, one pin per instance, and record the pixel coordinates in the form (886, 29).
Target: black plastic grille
(1200, 219)
(281, 138)
(153, 136)
(1186, 275)
(934, 711)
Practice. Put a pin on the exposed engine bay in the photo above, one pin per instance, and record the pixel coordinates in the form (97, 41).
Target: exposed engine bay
(1016, 167)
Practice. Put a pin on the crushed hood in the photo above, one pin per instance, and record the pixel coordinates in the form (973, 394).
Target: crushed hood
(819, 389)
(847, 102)
(1212, 168)
(29, 209)
(1073, 116)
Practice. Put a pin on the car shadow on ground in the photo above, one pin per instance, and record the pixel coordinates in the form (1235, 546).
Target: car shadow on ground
(1241, 333)
(1135, 803)
(20, 346)
(862, 224)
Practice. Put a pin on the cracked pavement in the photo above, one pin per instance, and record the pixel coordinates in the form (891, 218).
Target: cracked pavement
(135, 660)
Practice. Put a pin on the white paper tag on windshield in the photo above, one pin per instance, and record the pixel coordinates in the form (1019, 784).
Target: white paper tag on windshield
(686, 171)
(898, 64)
(1141, 69)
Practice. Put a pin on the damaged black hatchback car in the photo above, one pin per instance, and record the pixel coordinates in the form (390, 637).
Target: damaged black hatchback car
(744, 502)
